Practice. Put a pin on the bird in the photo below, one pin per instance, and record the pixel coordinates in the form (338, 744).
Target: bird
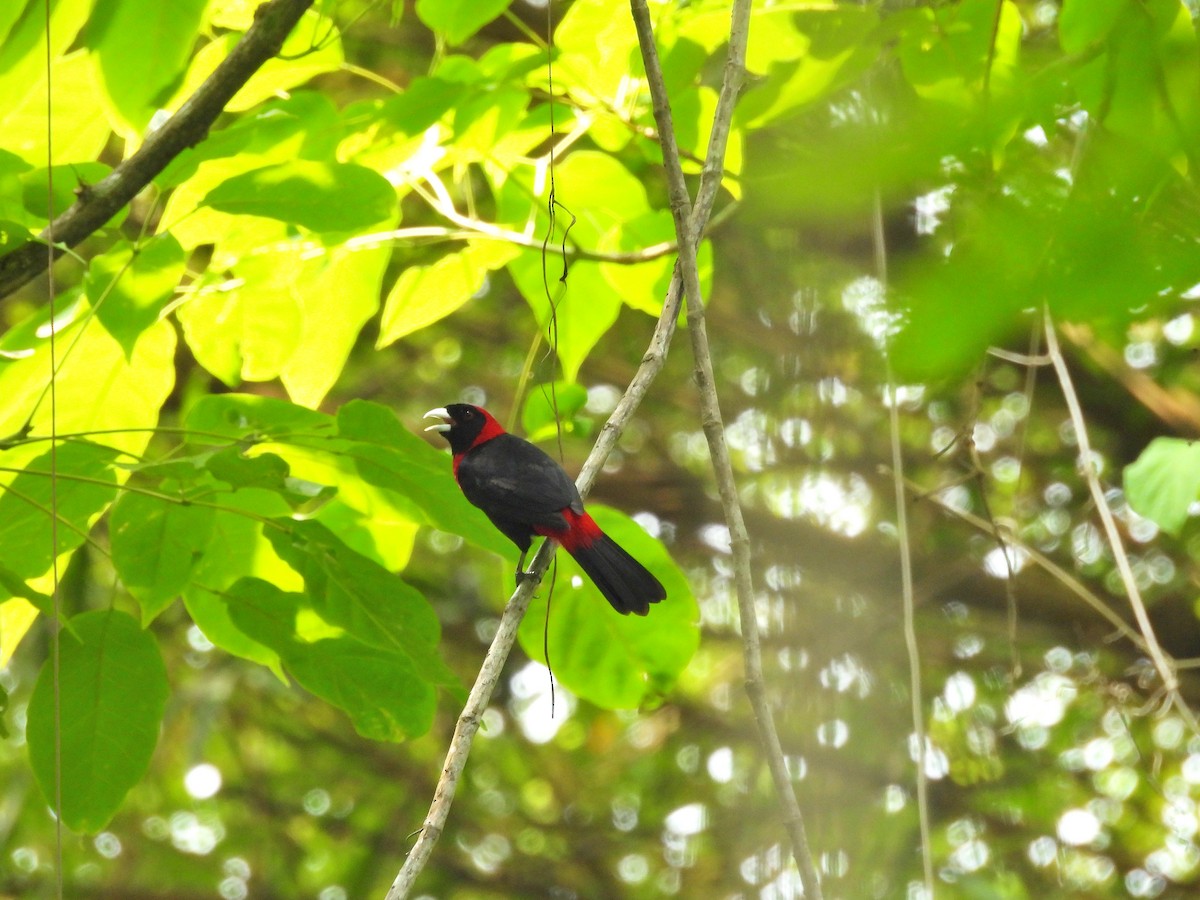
(524, 492)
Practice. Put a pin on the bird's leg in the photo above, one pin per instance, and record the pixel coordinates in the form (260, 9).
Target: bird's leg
(521, 574)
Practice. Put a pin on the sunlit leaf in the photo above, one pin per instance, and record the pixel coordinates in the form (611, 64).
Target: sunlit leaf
(424, 294)
(356, 594)
(128, 287)
(141, 48)
(323, 197)
(457, 20)
(1164, 482)
(386, 697)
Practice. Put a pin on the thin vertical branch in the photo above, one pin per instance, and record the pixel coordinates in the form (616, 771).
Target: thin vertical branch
(908, 599)
(56, 624)
(1087, 468)
(714, 429)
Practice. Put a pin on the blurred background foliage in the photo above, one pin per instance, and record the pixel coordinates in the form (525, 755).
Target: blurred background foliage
(366, 223)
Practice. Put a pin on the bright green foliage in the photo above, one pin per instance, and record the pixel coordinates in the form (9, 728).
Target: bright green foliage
(422, 295)
(399, 193)
(1164, 482)
(322, 197)
(156, 543)
(618, 662)
(113, 688)
(140, 49)
(457, 20)
(386, 697)
(86, 486)
(129, 289)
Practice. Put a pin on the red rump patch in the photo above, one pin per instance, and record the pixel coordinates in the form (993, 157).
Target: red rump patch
(581, 531)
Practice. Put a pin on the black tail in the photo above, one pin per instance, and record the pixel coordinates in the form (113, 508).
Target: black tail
(624, 582)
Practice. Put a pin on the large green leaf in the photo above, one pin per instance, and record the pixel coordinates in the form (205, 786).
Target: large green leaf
(79, 134)
(457, 20)
(98, 388)
(313, 47)
(355, 593)
(112, 693)
(424, 294)
(129, 287)
(615, 661)
(248, 416)
(386, 697)
(141, 48)
(294, 314)
(235, 549)
(389, 456)
(155, 545)
(1164, 482)
(85, 485)
(320, 196)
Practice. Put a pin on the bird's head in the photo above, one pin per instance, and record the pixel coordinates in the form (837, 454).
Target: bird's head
(464, 425)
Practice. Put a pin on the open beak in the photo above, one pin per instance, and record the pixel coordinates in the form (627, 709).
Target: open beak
(440, 413)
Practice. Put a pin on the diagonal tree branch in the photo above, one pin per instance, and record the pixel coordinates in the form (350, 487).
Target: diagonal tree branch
(714, 429)
(651, 365)
(273, 21)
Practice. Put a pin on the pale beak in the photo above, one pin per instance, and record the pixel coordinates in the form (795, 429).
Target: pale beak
(439, 413)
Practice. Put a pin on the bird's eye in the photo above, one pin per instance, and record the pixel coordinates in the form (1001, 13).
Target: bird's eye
(469, 414)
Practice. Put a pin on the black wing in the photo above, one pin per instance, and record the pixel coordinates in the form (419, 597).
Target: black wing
(517, 484)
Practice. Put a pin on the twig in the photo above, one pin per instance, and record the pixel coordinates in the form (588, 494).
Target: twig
(273, 21)
(907, 594)
(1158, 657)
(714, 430)
(1057, 572)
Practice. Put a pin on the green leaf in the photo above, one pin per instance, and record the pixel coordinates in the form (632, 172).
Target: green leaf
(385, 696)
(98, 387)
(615, 661)
(320, 196)
(578, 318)
(237, 549)
(13, 585)
(269, 472)
(295, 315)
(1081, 22)
(129, 287)
(424, 294)
(1164, 481)
(23, 51)
(86, 485)
(79, 133)
(457, 20)
(156, 544)
(389, 456)
(548, 405)
(313, 47)
(141, 48)
(113, 690)
(355, 593)
(251, 417)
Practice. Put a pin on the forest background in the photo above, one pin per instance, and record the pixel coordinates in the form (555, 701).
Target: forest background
(950, 282)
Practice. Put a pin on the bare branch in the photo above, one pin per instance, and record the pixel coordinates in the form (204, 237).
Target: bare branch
(1087, 468)
(273, 21)
(714, 429)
